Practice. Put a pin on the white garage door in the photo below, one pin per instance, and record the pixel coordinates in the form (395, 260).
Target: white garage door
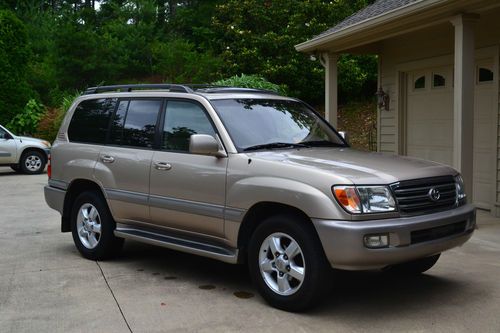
(430, 123)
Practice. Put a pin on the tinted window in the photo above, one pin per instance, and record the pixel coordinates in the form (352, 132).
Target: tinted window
(116, 132)
(140, 123)
(182, 120)
(2, 134)
(91, 120)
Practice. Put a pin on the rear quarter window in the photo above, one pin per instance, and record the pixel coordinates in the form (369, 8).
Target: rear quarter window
(90, 121)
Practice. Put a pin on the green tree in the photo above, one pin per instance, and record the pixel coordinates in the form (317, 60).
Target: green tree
(258, 37)
(14, 56)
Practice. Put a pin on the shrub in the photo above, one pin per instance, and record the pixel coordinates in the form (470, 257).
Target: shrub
(26, 122)
(252, 81)
(53, 117)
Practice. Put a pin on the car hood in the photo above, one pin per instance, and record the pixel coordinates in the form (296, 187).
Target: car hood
(357, 166)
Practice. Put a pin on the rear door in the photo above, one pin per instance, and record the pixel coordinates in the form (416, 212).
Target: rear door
(124, 163)
(187, 191)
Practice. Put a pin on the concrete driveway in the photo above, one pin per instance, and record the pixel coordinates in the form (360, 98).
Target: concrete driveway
(46, 286)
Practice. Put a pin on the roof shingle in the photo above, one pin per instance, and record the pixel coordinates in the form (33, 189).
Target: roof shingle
(377, 8)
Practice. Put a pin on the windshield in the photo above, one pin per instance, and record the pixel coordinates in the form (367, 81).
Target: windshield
(266, 124)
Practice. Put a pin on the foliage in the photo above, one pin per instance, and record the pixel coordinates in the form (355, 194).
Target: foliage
(177, 61)
(251, 81)
(52, 118)
(14, 56)
(258, 37)
(26, 122)
(359, 120)
(60, 45)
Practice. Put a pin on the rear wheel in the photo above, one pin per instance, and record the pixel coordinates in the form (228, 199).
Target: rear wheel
(93, 227)
(416, 267)
(287, 263)
(32, 162)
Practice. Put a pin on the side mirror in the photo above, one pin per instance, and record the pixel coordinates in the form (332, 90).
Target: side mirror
(203, 144)
(344, 136)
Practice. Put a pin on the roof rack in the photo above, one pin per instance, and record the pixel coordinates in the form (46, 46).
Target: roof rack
(189, 88)
(131, 87)
(223, 89)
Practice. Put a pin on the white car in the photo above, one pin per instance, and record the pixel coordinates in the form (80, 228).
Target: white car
(23, 154)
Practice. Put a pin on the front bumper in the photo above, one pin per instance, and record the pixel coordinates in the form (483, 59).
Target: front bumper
(343, 241)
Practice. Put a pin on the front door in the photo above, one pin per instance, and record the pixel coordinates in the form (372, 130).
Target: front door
(7, 148)
(187, 191)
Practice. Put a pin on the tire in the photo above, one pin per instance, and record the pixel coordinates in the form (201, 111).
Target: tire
(32, 162)
(16, 168)
(416, 267)
(94, 244)
(295, 292)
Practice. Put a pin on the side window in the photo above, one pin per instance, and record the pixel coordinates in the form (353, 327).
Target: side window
(140, 123)
(2, 134)
(116, 130)
(90, 121)
(181, 121)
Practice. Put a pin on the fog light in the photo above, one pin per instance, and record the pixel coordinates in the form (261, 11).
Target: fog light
(377, 241)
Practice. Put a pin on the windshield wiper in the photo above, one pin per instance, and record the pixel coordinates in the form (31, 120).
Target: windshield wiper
(276, 145)
(322, 143)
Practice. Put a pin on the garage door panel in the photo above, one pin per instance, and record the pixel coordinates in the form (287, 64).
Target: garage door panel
(429, 128)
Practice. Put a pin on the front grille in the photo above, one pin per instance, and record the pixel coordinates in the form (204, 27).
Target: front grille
(412, 196)
(426, 235)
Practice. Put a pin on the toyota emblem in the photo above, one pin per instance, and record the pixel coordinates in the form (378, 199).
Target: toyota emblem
(434, 194)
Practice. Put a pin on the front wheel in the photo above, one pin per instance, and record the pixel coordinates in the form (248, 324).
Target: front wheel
(32, 162)
(93, 227)
(416, 267)
(287, 263)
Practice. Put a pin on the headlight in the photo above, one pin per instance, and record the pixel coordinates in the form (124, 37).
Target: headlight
(459, 185)
(365, 199)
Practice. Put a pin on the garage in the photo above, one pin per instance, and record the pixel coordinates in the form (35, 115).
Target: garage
(429, 123)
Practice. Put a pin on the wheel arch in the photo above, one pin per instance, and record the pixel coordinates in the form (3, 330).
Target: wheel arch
(256, 215)
(76, 187)
(33, 148)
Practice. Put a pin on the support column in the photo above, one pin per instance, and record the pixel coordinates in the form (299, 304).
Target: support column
(463, 99)
(329, 61)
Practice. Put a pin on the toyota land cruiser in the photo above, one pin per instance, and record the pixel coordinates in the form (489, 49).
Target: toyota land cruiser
(247, 176)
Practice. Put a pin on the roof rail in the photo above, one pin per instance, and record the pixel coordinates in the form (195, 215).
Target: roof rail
(222, 89)
(188, 88)
(131, 87)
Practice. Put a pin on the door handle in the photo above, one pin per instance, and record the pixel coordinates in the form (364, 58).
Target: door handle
(107, 159)
(162, 166)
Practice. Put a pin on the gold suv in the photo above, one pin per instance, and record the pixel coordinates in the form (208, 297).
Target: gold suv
(247, 176)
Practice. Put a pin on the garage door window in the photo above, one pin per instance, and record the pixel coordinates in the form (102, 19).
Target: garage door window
(485, 75)
(438, 81)
(420, 83)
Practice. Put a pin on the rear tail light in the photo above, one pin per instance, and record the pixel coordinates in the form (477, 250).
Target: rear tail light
(49, 168)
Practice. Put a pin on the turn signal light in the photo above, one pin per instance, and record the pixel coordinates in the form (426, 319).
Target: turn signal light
(348, 197)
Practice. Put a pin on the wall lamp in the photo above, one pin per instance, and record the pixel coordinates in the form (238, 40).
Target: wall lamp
(382, 99)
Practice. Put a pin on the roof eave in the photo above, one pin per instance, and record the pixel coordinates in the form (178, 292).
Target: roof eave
(369, 24)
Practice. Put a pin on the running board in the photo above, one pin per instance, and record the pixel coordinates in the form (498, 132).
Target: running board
(217, 252)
